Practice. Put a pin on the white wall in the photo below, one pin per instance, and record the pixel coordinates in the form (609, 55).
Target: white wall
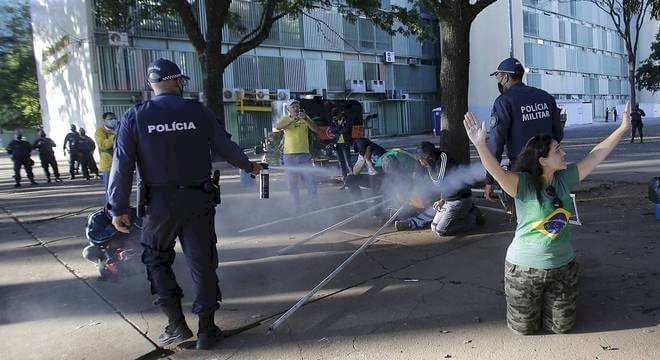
(69, 94)
(489, 45)
(577, 113)
(647, 35)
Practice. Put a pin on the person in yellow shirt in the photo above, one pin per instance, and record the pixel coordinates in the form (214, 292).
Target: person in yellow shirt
(296, 126)
(105, 140)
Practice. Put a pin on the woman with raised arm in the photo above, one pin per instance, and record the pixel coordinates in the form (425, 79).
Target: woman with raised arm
(540, 273)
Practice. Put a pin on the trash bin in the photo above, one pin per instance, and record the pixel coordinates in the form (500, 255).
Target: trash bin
(437, 115)
(562, 119)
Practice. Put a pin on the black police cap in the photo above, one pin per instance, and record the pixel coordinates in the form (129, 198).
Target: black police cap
(163, 70)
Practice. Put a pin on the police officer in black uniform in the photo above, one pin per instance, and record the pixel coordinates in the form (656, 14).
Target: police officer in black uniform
(637, 124)
(518, 114)
(172, 140)
(20, 151)
(85, 148)
(45, 146)
(71, 140)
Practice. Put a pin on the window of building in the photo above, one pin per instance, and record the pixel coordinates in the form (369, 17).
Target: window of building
(383, 40)
(351, 34)
(366, 34)
(371, 71)
(271, 72)
(530, 23)
(336, 74)
(245, 69)
(291, 31)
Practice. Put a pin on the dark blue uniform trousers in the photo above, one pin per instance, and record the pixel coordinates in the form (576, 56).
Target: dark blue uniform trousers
(189, 215)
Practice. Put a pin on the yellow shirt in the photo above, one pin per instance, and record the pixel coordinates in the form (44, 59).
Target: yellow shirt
(296, 137)
(105, 141)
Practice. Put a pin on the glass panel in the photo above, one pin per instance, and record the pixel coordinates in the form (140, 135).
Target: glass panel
(291, 31)
(336, 75)
(245, 68)
(351, 34)
(271, 72)
(371, 71)
(366, 31)
(383, 40)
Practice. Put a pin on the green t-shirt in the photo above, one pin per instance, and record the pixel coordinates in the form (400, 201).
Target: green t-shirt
(542, 238)
(407, 161)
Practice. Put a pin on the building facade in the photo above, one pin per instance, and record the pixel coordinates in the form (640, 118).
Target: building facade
(570, 48)
(318, 52)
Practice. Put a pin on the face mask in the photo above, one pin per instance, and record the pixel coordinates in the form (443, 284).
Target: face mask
(500, 86)
(110, 123)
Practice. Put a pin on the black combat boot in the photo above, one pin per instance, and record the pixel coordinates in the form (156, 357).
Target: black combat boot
(208, 334)
(176, 329)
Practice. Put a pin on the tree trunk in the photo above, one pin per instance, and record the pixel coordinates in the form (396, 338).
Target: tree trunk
(454, 80)
(214, 68)
(632, 68)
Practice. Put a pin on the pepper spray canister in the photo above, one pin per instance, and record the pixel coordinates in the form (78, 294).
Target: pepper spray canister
(264, 190)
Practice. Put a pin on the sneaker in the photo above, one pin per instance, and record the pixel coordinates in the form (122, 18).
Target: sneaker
(402, 225)
(208, 338)
(32, 182)
(17, 185)
(174, 333)
(58, 180)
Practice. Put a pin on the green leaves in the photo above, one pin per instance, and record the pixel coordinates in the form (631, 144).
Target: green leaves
(648, 74)
(19, 93)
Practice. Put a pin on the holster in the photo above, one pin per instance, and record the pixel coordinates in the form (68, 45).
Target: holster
(215, 183)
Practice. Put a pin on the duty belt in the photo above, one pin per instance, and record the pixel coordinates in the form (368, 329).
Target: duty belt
(198, 186)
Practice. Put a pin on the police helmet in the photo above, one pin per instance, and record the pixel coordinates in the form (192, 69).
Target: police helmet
(99, 230)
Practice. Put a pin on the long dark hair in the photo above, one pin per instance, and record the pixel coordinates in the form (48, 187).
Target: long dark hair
(528, 160)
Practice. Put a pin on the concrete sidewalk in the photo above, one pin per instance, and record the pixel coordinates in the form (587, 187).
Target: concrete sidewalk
(410, 296)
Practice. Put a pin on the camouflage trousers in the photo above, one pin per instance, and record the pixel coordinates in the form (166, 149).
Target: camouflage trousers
(540, 297)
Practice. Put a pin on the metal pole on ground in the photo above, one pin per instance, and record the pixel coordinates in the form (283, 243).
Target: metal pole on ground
(309, 213)
(315, 235)
(334, 273)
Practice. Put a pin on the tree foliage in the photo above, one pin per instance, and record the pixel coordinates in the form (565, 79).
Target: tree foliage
(648, 74)
(19, 93)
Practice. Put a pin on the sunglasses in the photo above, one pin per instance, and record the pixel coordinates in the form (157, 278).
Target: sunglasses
(552, 194)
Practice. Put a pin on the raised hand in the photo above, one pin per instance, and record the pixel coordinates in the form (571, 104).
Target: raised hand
(625, 118)
(476, 130)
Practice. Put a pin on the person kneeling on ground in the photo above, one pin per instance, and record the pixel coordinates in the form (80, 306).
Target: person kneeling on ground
(368, 154)
(540, 273)
(454, 212)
